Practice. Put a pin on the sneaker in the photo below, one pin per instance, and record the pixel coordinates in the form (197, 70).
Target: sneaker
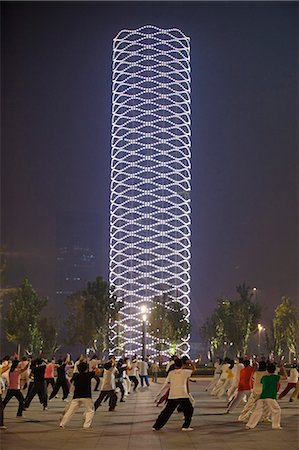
(155, 429)
(248, 428)
(277, 428)
(187, 429)
(45, 408)
(3, 427)
(122, 401)
(111, 409)
(61, 426)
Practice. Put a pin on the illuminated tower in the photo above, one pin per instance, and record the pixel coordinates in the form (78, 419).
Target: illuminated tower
(150, 176)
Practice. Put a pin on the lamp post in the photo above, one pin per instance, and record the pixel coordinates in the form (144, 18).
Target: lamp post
(143, 310)
(260, 329)
(255, 292)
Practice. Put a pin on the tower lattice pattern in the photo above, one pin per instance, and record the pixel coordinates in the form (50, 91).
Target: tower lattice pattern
(150, 176)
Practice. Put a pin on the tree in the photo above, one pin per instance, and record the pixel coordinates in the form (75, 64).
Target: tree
(285, 327)
(232, 322)
(48, 328)
(167, 323)
(21, 321)
(91, 313)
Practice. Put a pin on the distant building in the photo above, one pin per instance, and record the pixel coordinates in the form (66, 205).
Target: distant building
(77, 251)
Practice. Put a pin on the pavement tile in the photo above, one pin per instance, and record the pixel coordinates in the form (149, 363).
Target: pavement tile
(129, 427)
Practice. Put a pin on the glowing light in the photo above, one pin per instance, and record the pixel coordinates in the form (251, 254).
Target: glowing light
(150, 175)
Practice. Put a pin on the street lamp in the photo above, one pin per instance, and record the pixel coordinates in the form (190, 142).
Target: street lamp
(143, 310)
(255, 292)
(260, 329)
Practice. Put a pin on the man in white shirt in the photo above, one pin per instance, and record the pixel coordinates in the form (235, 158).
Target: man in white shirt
(178, 396)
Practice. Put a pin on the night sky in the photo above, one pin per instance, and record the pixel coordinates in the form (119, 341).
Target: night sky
(56, 122)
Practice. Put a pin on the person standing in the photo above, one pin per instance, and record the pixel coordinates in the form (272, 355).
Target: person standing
(82, 396)
(236, 373)
(155, 370)
(292, 380)
(217, 373)
(14, 389)
(24, 375)
(256, 392)
(143, 372)
(39, 385)
(2, 389)
(49, 373)
(61, 381)
(267, 400)
(244, 386)
(108, 386)
(119, 380)
(132, 372)
(178, 396)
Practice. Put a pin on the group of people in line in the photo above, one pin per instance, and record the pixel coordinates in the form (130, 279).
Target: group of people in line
(238, 381)
(72, 378)
(255, 385)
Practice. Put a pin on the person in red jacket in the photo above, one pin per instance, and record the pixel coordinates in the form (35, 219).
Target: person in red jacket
(244, 387)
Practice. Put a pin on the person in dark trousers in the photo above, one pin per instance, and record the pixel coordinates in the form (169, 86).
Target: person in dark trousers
(61, 381)
(132, 372)
(108, 387)
(14, 389)
(178, 396)
(2, 389)
(39, 385)
(119, 380)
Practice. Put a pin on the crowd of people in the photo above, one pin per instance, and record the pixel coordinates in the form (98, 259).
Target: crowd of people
(253, 385)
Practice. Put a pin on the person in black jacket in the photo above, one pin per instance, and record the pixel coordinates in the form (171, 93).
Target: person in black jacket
(61, 381)
(82, 396)
(39, 384)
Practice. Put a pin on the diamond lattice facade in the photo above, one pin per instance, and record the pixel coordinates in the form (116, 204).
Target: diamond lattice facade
(150, 177)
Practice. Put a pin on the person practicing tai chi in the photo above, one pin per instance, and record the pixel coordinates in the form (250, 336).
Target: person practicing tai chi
(267, 400)
(82, 396)
(178, 396)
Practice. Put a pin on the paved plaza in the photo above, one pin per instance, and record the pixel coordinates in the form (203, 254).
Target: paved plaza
(129, 427)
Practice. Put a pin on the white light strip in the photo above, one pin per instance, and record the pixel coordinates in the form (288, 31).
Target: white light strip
(150, 177)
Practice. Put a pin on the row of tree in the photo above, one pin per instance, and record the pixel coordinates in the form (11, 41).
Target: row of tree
(91, 312)
(234, 321)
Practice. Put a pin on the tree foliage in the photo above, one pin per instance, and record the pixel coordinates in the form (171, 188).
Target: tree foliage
(49, 333)
(232, 322)
(21, 321)
(167, 323)
(285, 327)
(91, 311)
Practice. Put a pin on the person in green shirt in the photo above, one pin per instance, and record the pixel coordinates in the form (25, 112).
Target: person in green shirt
(267, 400)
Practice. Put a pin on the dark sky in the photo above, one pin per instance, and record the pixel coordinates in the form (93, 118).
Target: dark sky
(56, 120)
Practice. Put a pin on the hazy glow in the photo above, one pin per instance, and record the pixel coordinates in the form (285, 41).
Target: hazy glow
(150, 176)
